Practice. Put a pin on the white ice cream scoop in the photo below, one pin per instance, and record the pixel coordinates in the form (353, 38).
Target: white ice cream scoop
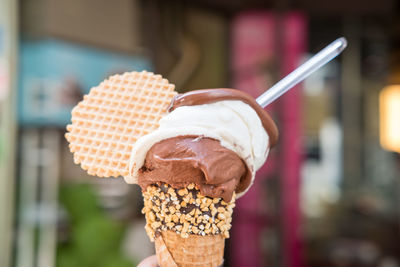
(234, 123)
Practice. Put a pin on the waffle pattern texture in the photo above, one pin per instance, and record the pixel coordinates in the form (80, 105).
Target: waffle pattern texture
(194, 251)
(112, 117)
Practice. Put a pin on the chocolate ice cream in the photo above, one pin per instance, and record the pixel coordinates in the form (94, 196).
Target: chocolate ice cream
(182, 160)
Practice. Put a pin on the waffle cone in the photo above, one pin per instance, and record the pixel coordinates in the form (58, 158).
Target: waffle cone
(193, 251)
(188, 228)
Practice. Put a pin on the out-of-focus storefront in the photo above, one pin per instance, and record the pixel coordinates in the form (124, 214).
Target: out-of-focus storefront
(8, 57)
(328, 194)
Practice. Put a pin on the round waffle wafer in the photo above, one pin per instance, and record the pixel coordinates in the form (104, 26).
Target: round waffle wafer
(109, 120)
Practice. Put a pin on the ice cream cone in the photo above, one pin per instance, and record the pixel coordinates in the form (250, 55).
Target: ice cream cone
(122, 128)
(188, 229)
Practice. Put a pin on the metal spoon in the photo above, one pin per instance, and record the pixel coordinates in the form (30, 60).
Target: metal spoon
(302, 72)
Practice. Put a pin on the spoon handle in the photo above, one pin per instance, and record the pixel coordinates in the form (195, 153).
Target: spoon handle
(302, 72)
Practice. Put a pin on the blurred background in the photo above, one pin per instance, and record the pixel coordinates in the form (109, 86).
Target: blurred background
(329, 194)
